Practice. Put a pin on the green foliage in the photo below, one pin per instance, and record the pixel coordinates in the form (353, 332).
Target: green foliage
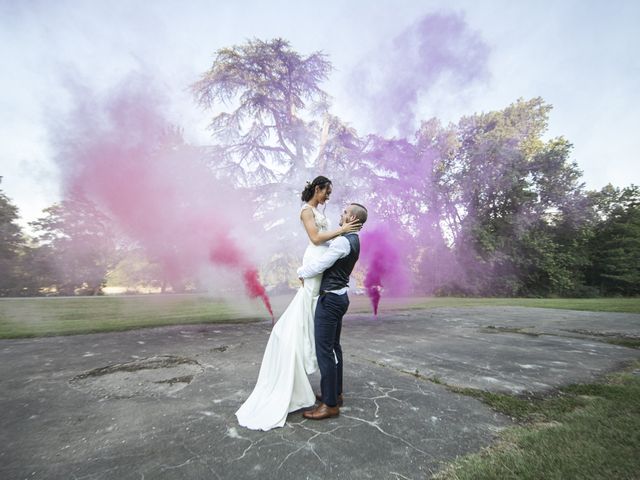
(520, 204)
(11, 245)
(615, 245)
(79, 241)
(134, 270)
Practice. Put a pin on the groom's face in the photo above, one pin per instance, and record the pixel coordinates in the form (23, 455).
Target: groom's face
(346, 216)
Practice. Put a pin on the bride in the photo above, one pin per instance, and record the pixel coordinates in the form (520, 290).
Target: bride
(282, 385)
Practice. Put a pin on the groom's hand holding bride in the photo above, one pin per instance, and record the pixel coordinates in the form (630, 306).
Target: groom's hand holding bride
(351, 225)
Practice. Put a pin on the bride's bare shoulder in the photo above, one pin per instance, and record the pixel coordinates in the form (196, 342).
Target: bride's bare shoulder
(306, 211)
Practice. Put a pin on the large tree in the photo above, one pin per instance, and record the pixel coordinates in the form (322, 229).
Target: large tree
(81, 245)
(11, 246)
(268, 100)
(513, 186)
(615, 246)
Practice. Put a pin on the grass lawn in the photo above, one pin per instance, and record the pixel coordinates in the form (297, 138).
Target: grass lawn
(29, 317)
(585, 432)
(622, 305)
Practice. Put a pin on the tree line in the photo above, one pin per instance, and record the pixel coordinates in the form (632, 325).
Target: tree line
(483, 206)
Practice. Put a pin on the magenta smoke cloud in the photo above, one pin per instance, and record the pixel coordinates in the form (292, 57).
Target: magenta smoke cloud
(122, 154)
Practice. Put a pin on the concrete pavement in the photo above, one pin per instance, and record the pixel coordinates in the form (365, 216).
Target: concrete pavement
(159, 403)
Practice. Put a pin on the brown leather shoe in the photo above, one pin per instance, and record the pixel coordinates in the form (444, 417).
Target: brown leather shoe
(340, 399)
(323, 411)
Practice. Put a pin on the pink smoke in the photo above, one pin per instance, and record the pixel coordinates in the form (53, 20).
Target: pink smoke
(124, 156)
(385, 269)
(255, 289)
(227, 254)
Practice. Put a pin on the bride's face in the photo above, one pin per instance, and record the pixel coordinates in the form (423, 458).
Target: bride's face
(322, 195)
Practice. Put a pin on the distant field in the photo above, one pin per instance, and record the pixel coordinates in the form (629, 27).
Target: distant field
(31, 317)
(28, 317)
(622, 305)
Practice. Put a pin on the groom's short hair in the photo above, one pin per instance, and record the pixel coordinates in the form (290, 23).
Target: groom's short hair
(359, 211)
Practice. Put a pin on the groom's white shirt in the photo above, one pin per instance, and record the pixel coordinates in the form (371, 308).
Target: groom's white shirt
(339, 248)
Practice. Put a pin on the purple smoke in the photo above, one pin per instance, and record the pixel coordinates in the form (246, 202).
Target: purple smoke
(385, 268)
(440, 47)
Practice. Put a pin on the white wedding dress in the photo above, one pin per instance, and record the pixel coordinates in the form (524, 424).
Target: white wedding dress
(290, 355)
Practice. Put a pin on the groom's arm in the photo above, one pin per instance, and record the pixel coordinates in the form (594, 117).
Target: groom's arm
(338, 248)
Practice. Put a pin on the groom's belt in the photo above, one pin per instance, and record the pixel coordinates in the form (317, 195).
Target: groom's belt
(335, 292)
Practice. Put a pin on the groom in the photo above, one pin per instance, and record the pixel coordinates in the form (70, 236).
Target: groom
(337, 264)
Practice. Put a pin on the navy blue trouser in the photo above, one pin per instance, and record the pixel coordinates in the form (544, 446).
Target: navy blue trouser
(328, 323)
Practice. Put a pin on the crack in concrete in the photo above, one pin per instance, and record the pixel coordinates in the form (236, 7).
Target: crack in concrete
(195, 456)
(386, 393)
(92, 475)
(377, 427)
(171, 381)
(164, 467)
(246, 450)
(480, 372)
(308, 445)
(153, 376)
(399, 475)
(151, 363)
(201, 460)
(603, 333)
(415, 373)
(502, 329)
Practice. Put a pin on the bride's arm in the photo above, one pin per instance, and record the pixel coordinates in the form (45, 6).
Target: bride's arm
(318, 238)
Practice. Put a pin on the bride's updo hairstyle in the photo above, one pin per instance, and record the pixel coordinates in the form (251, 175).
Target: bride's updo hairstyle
(310, 187)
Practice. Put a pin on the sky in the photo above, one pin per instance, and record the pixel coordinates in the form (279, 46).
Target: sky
(580, 56)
